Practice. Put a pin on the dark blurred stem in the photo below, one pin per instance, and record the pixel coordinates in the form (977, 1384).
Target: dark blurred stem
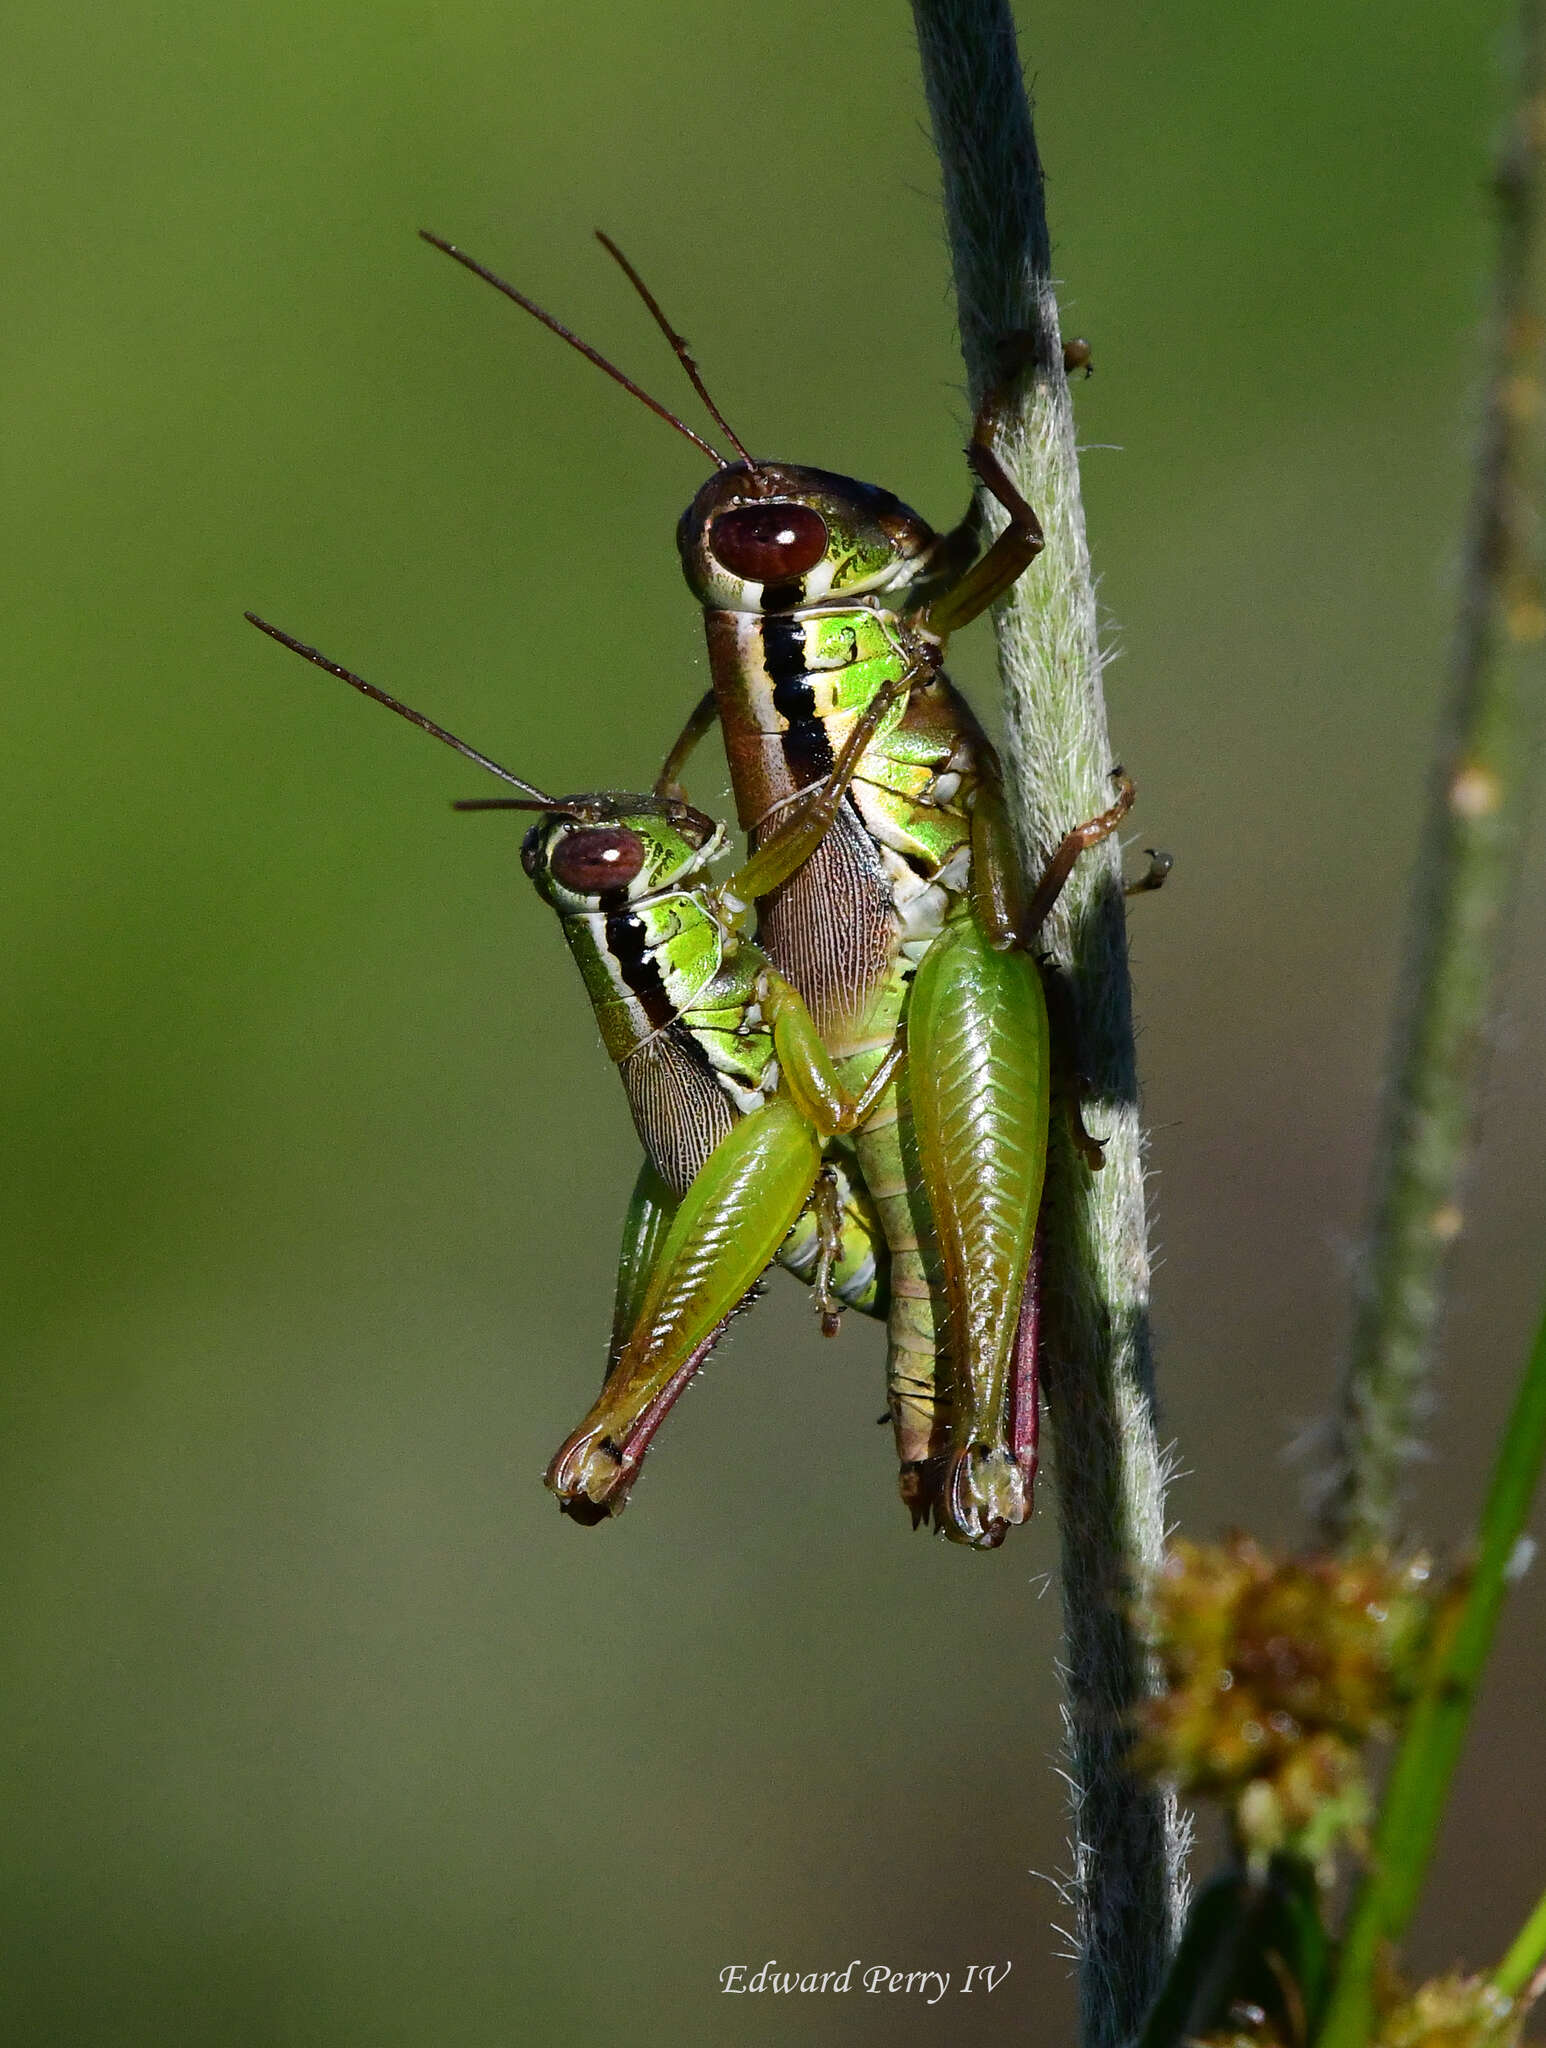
(1128, 1842)
(1424, 1764)
(1466, 869)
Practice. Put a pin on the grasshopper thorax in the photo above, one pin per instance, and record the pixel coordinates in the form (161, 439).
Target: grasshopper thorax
(778, 537)
(610, 848)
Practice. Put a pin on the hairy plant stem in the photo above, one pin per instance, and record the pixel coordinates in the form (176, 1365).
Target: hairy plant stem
(1466, 867)
(1129, 1843)
(1425, 1761)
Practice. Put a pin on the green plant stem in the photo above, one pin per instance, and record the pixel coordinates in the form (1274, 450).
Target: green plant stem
(1430, 1745)
(1128, 1840)
(1466, 868)
(1518, 1968)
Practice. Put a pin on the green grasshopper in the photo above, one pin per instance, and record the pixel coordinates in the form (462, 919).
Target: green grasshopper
(733, 1094)
(824, 597)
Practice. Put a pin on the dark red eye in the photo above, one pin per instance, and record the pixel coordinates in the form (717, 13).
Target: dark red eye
(768, 543)
(590, 862)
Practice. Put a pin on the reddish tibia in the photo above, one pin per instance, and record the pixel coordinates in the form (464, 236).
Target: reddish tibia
(1025, 1381)
(592, 1473)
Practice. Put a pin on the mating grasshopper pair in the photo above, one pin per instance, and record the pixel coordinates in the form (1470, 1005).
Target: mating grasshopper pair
(891, 1001)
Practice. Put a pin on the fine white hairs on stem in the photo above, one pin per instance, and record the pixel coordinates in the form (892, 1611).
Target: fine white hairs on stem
(1129, 1849)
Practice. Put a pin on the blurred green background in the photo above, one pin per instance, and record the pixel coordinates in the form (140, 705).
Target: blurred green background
(322, 1726)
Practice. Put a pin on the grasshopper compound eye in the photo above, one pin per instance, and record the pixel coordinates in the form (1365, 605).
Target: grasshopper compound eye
(768, 543)
(596, 859)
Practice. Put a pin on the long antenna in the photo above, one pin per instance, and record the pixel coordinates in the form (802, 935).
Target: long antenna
(347, 675)
(678, 342)
(565, 334)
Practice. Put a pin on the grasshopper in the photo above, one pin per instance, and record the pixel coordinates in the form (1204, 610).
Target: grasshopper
(732, 1091)
(824, 597)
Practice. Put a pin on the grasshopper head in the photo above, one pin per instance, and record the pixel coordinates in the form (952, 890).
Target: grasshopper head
(604, 850)
(776, 537)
